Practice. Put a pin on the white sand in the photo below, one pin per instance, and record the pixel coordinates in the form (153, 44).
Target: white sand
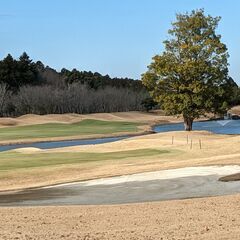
(160, 175)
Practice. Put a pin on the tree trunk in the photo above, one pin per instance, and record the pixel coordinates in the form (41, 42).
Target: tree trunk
(188, 123)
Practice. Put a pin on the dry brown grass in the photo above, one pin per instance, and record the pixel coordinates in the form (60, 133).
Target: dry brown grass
(144, 120)
(198, 219)
(143, 117)
(216, 150)
(206, 218)
(235, 110)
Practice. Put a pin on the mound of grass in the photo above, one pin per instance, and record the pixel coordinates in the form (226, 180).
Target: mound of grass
(13, 161)
(230, 178)
(85, 127)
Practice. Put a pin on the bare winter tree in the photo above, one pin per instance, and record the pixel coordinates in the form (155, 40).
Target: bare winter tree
(3, 97)
(75, 98)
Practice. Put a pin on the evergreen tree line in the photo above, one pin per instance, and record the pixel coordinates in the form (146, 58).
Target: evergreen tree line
(30, 87)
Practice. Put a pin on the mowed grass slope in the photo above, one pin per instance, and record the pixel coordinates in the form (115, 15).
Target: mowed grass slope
(51, 130)
(24, 170)
(11, 161)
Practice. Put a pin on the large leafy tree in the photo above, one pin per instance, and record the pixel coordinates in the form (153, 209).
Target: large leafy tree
(190, 77)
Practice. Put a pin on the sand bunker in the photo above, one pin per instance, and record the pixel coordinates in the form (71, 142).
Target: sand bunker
(167, 174)
(27, 150)
(181, 183)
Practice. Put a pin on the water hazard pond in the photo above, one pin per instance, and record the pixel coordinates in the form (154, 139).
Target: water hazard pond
(219, 127)
(60, 144)
(155, 186)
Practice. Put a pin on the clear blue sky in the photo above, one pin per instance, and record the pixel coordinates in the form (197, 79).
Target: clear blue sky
(116, 37)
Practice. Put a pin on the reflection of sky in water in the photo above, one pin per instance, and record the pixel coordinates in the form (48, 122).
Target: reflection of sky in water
(222, 126)
(59, 144)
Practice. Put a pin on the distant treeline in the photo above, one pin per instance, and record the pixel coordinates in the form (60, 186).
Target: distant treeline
(31, 87)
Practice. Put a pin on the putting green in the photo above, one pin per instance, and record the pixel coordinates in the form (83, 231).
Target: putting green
(50, 130)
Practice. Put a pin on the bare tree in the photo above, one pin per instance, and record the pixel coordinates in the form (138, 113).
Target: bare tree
(3, 97)
(76, 98)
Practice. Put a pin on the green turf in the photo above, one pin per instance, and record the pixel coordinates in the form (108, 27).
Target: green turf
(85, 127)
(13, 161)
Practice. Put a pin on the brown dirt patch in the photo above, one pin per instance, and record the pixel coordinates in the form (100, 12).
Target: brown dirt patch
(206, 218)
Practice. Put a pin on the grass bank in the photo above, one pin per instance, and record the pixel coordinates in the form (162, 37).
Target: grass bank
(61, 131)
(24, 170)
